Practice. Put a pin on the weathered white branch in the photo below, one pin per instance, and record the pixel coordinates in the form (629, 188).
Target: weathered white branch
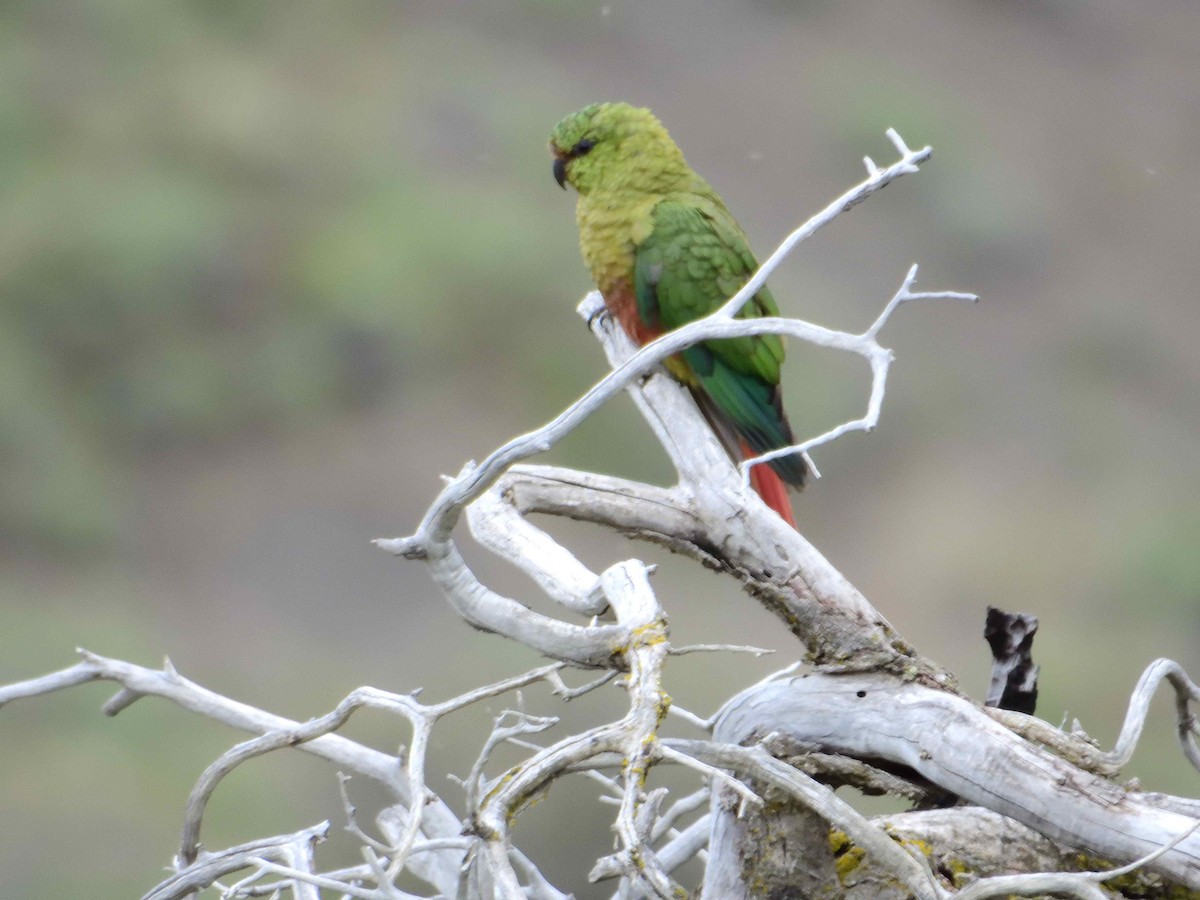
(713, 517)
(436, 863)
(591, 646)
(1186, 693)
(714, 772)
(755, 763)
(680, 807)
(951, 743)
(169, 684)
(908, 164)
(502, 732)
(1086, 755)
(1070, 884)
(880, 360)
(963, 842)
(633, 508)
(984, 854)
(212, 866)
(627, 590)
(421, 717)
(253, 886)
(305, 883)
(497, 526)
(717, 326)
(687, 844)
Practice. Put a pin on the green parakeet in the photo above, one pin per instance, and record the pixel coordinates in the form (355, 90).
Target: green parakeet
(664, 251)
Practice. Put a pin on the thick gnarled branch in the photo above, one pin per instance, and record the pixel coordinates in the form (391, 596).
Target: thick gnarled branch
(952, 743)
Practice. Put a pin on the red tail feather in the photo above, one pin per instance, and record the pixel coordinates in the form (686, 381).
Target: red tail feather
(771, 488)
(773, 491)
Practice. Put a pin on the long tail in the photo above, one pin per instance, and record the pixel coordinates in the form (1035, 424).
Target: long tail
(765, 480)
(768, 485)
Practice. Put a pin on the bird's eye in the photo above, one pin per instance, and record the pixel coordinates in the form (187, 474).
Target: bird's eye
(582, 147)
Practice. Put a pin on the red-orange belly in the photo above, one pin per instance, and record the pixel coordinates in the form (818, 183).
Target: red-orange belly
(622, 303)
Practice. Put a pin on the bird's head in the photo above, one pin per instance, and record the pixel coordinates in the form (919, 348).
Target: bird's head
(615, 146)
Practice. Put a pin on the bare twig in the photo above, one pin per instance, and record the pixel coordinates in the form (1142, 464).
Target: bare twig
(680, 807)
(211, 866)
(687, 844)
(1086, 755)
(573, 693)
(879, 358)
(1186, 693)
(502, 732)
(721, 648)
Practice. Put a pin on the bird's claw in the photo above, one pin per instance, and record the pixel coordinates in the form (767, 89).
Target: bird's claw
(599, 317)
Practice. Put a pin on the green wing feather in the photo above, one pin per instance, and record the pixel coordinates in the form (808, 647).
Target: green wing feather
(695, 258)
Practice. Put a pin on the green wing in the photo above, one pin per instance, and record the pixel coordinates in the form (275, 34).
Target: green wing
(692, 262)
(695, 258)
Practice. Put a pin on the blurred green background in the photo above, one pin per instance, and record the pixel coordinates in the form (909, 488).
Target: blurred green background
(267, 269)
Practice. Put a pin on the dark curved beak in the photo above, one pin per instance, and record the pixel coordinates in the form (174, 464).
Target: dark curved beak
(560, 172)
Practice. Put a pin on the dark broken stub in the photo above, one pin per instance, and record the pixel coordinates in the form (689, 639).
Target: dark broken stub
(1014, 675)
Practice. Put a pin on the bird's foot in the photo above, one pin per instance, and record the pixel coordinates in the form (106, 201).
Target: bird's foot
(599, 317)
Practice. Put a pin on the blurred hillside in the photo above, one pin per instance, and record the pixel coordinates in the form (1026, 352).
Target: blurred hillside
(267, 269)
